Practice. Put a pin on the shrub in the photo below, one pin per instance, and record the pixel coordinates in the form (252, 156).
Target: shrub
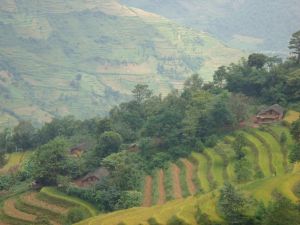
(42, 220)
(129, 199)
(174, 220)
(75, 215)
(153, 221)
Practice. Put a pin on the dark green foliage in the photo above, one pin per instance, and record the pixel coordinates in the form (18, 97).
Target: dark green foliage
(265, 78)
(242, 169)
(141, 92)
(174, 220)
(282, 212)
(257, 60)
(129, 199)
(50, 161)
(153, 221)
(232, 205)
(42, 220)
(294, 155)
(109, 142)
(24, 135)
(283, 138)
(202, 218)
(294, 45)
(295, 130)
(75, 215)
(238, 145)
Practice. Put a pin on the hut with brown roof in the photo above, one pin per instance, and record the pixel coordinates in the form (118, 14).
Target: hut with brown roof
(270, 114)
(92, 177)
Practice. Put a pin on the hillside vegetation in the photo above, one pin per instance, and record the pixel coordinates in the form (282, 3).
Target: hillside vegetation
(247, 24)
(82, 57)
(212, 169)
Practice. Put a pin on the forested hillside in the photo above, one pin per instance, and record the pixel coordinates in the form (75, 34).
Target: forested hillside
(247, 24)
(82, 57)
(199, 156)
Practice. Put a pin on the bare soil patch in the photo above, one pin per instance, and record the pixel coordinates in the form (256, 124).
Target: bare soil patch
(10, 210)
(161, 188)
(148, 192)
(189, 175)
(31, 199)
(177, 192)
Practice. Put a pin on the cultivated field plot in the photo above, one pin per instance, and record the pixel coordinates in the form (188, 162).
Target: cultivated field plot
(202, 175)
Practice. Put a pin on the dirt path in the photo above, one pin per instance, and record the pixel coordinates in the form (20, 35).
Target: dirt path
(177, 193)
(31, 199)
(148, 192)
(10, 210)
(189, 175)
(161, 188)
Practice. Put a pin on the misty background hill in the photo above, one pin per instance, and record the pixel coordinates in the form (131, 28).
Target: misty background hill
(81, 57)
(248, 24)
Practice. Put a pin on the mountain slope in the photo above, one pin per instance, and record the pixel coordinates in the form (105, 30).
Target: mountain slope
(83, 56)
(249, 24)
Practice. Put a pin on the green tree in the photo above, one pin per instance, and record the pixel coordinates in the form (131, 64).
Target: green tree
(109, 142)
(141, 92)
(50, 161)
(282, 212)
(232, 205)
(194, 83)
(129, 199)
(24, 135)
(294, 155)
(295, 130)
(2, 158)
(125, 170)
(257, 60)
(238, 145)
(220, 76)
(294, 45)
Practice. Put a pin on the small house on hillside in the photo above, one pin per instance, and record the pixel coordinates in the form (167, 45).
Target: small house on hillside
(270, 114)
(92, 177)
(78, 150)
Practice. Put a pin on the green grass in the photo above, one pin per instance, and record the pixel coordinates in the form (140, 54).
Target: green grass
(168, 184)
(182, 177)
(263, 157)
(217, 166)
(13, 160)
(54, 193)
(195, 179)
(155, 193)
(277, 156)
(202, 171)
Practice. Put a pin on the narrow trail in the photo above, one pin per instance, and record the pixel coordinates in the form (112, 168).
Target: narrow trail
(148, 192)
(31, 199)
(10, 210)
(189, 175)
(177, 192)
(161, 188)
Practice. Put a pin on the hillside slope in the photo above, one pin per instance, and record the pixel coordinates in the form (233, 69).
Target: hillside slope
(249, 24)
(81, 57)
(208, 172)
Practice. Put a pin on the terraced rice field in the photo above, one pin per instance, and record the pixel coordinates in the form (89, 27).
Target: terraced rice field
(14, 160)
(24, 209)
(206, 172)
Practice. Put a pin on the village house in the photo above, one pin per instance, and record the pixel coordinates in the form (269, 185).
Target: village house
(92, 177)
(78, 150)
(270, 114)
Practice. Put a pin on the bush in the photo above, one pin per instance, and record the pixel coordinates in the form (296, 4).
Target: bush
(129, 199)
(211, 141)
(174, 220)
(153, 221)
(42, 220)
(75, 215)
